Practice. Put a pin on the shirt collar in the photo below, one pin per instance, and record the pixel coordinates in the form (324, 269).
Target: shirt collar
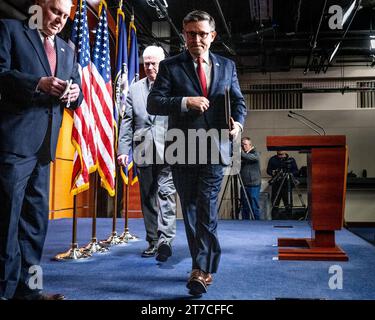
(42, 36)
(206, 58)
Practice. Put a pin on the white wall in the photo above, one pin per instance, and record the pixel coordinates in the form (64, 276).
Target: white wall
(338, 101)
(357, 125)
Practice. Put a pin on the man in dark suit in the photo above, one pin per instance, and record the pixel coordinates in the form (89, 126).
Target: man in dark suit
(145, 134)
(190, 89)
(34, 68)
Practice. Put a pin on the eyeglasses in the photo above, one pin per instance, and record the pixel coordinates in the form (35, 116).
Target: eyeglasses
(201, 35)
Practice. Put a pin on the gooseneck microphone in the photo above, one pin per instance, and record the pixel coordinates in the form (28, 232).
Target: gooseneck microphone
(293, 115)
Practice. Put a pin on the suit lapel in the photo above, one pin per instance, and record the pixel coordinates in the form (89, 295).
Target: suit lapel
(35, 40)
(60, 57)
(145, 92)
(215, 74)
(188, 66)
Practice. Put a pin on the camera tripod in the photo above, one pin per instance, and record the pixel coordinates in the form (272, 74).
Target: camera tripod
(234, 199)
(286, 179)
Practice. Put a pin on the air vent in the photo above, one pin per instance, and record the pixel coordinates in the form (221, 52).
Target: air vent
(366, 99)
(276, 96)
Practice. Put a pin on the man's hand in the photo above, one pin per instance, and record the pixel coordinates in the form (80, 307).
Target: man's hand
(74, 93)
(235, 128)
(52, 86)
(200, 104)
(122, 160)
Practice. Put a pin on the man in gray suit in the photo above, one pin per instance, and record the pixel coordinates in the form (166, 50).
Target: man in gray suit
(146, 133)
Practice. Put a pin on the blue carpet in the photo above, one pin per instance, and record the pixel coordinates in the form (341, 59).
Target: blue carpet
(247, 269)
(365, 233)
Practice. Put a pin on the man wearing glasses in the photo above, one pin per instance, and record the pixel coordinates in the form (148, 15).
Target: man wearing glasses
(190, 89)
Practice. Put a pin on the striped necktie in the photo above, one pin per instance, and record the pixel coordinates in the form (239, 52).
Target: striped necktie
(51, 54)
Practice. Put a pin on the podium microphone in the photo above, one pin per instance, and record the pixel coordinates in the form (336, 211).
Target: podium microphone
(304, 122)
(292, 114)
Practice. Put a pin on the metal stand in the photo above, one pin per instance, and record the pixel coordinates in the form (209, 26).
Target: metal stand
(233, 181)
(94, 246)
(114, 239)
(291, 182)
(126, 236)
(73, 253)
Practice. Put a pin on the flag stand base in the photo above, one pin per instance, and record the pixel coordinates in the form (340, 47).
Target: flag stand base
(127, 236)
(113, 240)
(94, 247)
(72, 254)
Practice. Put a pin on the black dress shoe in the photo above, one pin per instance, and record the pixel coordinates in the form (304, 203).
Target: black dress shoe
(149, 252)
(41, 296)
(164, 252)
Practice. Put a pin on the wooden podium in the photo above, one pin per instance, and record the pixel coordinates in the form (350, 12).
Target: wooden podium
(326, 186)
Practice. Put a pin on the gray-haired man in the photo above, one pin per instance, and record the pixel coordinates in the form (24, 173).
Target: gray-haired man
(35, 65)
(146, 134)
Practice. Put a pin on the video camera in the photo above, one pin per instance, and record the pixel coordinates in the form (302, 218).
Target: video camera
(286, 163)
(278, 174)
(285, 168)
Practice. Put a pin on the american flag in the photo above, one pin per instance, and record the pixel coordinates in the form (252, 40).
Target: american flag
(102, 105)
(82, 132)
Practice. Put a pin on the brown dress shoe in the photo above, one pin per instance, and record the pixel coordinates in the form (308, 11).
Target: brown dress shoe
(209, 279)
(41, 296)
(197, 282)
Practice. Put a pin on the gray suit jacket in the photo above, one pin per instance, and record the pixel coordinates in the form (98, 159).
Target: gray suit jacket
(141, 131)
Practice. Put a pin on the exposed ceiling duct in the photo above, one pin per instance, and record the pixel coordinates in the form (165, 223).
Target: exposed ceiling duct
(261, 10)
(368, 3)
(8, 9)
(272, 33)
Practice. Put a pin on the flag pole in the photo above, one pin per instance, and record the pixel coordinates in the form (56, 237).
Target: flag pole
(126, 235)
(73, 253)
(114, 239)
(94, 246)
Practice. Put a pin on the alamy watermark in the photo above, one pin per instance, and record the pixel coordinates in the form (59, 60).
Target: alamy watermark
(188, 147)
(338, 16)
(36, 278)
(336, 280)
(36, 19)
(335, 21)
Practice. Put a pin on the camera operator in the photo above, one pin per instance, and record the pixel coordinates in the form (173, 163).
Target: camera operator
(278, 165)
(251, 178)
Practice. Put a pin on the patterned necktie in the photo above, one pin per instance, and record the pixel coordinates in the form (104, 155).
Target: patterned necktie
(202, 76)
(51, 54)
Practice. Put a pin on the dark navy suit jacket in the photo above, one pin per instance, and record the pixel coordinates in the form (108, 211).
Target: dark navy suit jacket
(24, 113)
(177, 78)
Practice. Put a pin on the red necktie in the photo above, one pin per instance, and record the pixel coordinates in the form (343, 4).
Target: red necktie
(51, 54)
(202, 76)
